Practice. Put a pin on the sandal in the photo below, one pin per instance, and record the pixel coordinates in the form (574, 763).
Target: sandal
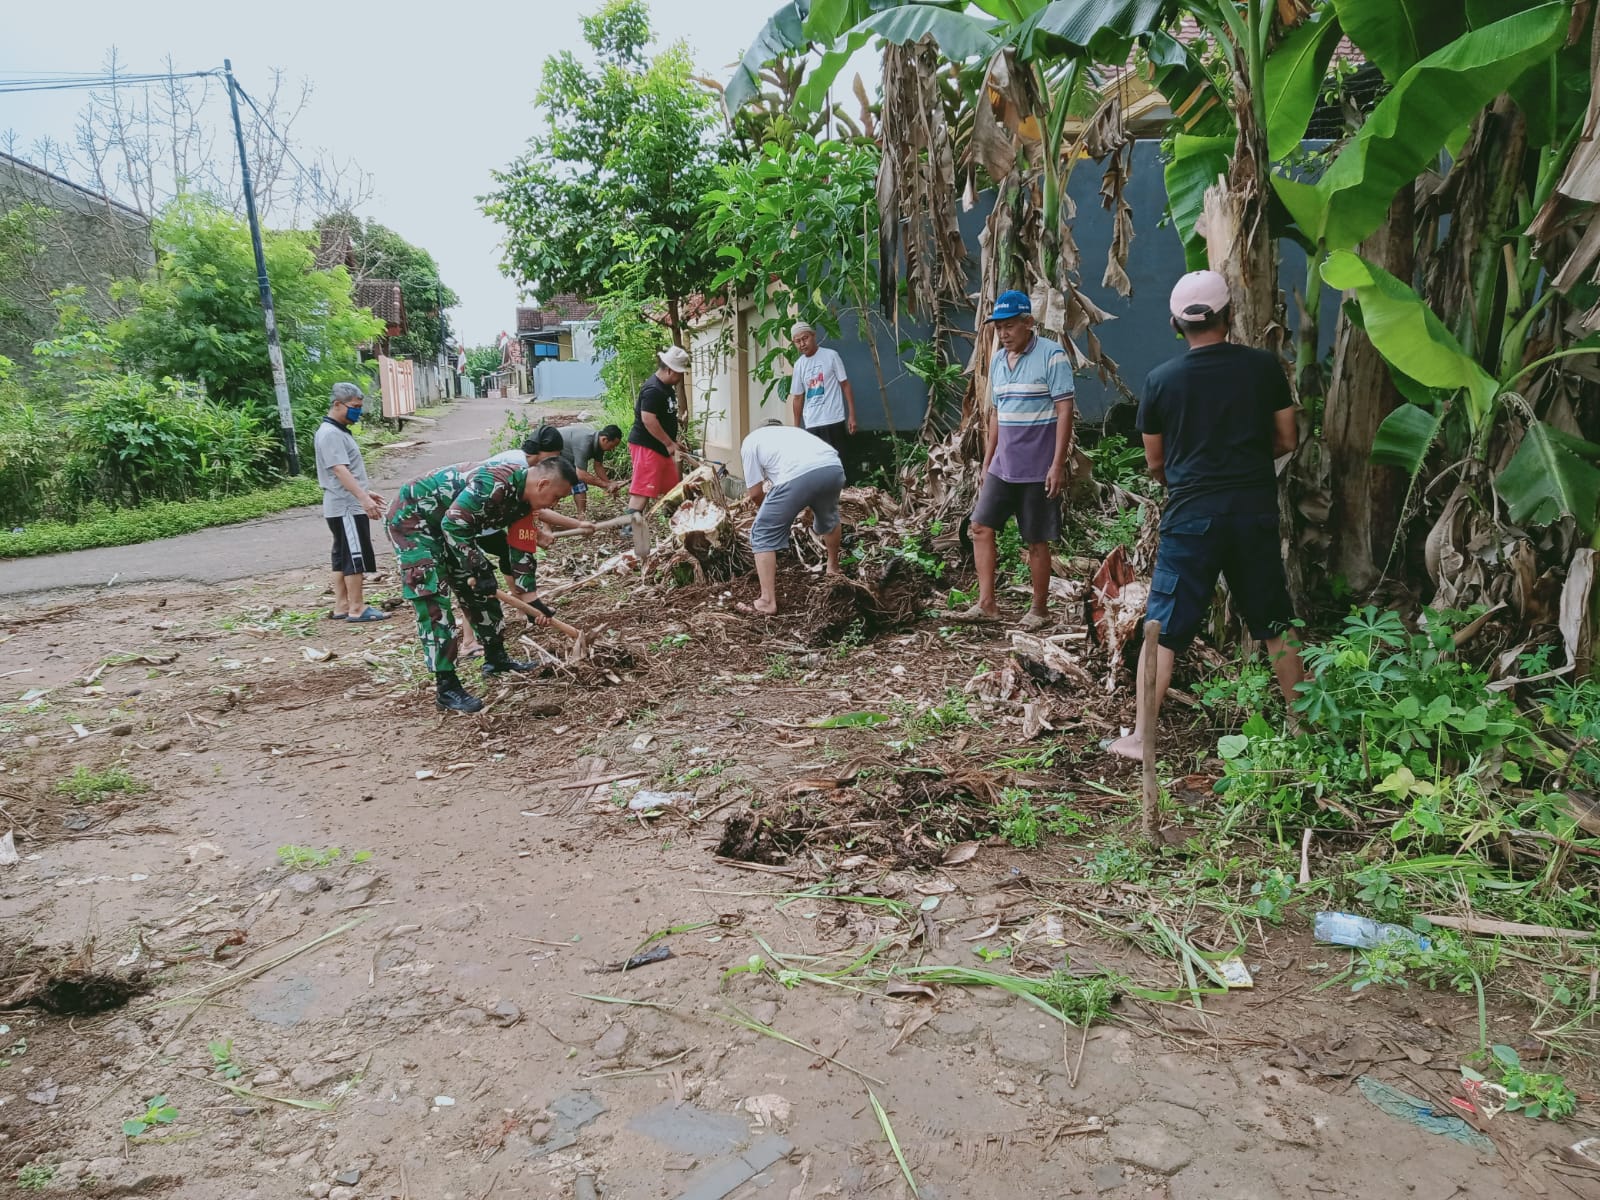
(1034, 622)
(335, 616)
(368, 614)
(976, 616)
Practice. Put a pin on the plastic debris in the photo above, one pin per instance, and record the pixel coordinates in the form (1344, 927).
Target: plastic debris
(8, 849)
(657, 953)
(1422, 1114)
(1347, 929)
(646, 801)
(1234, 973)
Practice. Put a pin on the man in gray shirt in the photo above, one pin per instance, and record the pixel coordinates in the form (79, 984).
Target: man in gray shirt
(348, 505)
(586, 450)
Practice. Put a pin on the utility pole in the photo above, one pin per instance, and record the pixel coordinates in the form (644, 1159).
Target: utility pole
(280, 381)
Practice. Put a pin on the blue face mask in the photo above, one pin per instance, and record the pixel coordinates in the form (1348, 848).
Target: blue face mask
(352, 414)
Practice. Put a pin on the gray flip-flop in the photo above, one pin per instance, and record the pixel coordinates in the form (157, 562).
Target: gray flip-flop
(976, 616)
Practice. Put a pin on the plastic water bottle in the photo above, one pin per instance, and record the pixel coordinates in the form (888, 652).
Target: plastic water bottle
(1347, 929)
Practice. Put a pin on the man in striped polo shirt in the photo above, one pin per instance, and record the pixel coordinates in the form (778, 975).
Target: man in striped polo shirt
(1024, 455)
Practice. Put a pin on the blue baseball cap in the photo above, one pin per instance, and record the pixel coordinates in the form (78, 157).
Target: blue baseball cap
(1011, 304)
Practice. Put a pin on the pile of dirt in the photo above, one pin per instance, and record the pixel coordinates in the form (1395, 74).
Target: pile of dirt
(69, 987)
(910, 819)
(888, 596)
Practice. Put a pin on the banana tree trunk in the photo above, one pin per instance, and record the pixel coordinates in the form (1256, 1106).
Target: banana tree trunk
(1366, 499)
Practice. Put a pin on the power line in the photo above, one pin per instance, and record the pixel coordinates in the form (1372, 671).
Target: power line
(305, 172)
(89, 82)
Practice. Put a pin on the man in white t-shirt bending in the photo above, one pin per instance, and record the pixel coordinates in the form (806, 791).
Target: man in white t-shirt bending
(823, 403)
(789, 470)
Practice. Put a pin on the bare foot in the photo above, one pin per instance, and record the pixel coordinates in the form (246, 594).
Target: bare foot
(1127, 747)
(765, 608)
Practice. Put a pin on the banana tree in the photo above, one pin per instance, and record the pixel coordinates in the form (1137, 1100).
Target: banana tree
(1453, 403)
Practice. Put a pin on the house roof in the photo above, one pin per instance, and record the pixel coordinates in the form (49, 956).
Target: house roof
(554, 311)
(335, 247)
(383, 297)
(62, 181)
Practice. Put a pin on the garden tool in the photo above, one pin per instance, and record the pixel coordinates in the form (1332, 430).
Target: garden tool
(613, 523)
(579, 649)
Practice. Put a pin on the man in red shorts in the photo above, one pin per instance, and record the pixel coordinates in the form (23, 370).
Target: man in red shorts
(653, 440)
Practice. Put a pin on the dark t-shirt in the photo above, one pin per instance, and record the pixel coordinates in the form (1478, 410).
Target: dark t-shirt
(654, 397)
(1213, 406)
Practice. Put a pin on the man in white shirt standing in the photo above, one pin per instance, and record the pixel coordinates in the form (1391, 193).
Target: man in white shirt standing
(348, 505)
(789, 470)
(820, 392)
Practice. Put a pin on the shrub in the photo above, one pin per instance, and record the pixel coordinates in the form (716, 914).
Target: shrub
(131, 441)
(29, 453)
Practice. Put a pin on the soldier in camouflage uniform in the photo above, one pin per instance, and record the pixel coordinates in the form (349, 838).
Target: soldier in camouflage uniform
(433, 523)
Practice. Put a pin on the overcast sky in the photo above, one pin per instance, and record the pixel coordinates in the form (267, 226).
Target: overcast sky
(428, 98)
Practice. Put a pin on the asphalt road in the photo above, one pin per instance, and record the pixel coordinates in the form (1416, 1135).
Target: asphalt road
(296, 537)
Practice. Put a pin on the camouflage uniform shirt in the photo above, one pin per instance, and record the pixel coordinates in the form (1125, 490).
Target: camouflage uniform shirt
(434, 520)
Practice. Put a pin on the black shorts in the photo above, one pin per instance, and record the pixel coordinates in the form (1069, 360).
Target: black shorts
(352, 545)
(495, 544)
(1038, 516)
(1194, 551)
(836, 435)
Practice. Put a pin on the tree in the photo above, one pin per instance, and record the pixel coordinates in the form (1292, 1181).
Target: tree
(816, 268)
(149, 139)
(629, 147)
(199, 316)
(381, 253)
(482, 362)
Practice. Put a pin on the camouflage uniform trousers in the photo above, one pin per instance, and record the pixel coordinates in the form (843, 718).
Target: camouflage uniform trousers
(429, 571)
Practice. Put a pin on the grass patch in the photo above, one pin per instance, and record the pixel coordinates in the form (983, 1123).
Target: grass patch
(90, 787)
(130, 526)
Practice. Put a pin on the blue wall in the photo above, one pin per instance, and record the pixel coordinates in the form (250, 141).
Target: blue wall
(1139, 337)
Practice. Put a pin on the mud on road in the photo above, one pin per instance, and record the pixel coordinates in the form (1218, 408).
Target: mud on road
(377, 948)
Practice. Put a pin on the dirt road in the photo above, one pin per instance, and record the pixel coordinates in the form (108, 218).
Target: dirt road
(293, 538)
(382, 946)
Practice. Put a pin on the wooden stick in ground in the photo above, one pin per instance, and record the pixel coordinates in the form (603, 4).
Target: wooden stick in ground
(1147, 718)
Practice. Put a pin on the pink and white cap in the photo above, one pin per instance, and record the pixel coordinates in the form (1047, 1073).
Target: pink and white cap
(1198, 295)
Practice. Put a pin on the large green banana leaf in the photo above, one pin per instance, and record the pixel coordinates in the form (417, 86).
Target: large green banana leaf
(960, 36)
(1552, 475)
(1405, 133)
(784, 33)
(1404, 438)
(1408, 334)
(1396, 35)
(1196, 163)
(1191, 93)
(1293, 79)
(1106, 28)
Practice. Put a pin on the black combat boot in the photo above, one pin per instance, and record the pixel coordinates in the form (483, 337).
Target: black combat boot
(496, 660)
(452, 696)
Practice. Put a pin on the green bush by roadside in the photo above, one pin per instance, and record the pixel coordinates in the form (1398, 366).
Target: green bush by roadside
(127, 526)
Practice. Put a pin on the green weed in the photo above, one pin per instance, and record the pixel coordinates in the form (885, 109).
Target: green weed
(1022, 824)
(308, 858)
(780, 666)
(156, 1112)
(222, 1059)
(90, 787)
(35, 1177)
(673, 641)
(1532, 1093)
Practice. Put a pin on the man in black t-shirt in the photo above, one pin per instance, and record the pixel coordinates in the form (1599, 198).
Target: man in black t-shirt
(1213, 420)
(653, 440)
